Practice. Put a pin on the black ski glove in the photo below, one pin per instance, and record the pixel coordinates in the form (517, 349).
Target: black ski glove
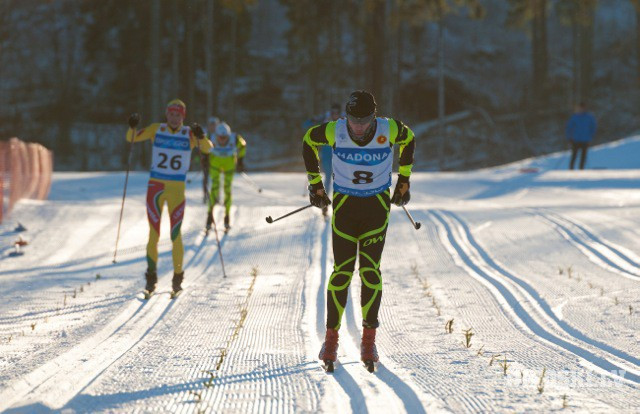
(240, 165)
(398, 198)
(197, 130)
(134, 118)
(321, 200)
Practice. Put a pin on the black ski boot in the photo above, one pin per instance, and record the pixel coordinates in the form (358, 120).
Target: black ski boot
(152, 282)
(209, 221)
(176, 284)
(226, 223)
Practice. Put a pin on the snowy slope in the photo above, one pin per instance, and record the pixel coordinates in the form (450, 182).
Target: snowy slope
(541, 264)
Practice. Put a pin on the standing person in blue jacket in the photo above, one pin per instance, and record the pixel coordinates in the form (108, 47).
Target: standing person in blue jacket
(580, 131)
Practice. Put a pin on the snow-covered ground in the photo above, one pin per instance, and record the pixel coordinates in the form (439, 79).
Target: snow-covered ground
(540, 264)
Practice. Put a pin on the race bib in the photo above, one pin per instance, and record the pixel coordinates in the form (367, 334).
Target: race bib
(171, 154)
(228, 150)
(362, 171)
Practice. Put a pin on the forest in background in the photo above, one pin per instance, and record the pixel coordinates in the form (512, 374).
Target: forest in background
(482, 82)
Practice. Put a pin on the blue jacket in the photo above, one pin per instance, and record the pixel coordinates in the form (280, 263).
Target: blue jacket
(581, 127)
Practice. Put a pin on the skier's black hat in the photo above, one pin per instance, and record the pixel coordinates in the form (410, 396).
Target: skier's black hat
(361, 104)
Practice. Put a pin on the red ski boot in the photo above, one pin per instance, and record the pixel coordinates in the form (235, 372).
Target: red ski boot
(329, 351)
(368, 350)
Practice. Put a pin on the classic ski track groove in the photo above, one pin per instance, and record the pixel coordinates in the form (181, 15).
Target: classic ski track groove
(96, 353)
(472, 302)
(474, 261)
(537, 303)
(263, 369)
(385, 391)
(425, 367)
(602, 252)
(531, 249)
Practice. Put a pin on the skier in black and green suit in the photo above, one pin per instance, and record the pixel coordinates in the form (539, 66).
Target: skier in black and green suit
(362, 160)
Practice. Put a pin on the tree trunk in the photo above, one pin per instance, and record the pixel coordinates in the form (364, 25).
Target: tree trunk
(576, 61)
(208, 45)
(190, 60)
(175, 50)
(154, 60)
(586, 55)
(539, 51)
(155, 111)
(441, 92)
(638, 43)
(376, 43)
(234, 57)
(397, 102)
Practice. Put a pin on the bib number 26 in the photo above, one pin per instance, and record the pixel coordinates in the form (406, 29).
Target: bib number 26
(175, 162)
(362, 177)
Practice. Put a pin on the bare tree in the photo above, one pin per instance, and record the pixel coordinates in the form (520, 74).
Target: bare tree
(154, 60)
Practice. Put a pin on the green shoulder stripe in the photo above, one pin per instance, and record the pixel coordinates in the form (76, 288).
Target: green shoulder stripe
(393, 131)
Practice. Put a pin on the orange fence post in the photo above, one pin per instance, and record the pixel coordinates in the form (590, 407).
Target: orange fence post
(26, 170)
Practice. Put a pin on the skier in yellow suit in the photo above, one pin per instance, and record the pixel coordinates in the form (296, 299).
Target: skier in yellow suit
(171, 156)
(226, 157)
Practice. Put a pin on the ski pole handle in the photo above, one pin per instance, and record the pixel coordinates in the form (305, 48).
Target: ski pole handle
(416, 224)
(271, 220)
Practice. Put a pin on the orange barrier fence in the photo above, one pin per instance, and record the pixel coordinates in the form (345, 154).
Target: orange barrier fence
(25, 172)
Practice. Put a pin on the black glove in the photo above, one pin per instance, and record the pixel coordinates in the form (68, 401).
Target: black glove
(319, 200)
(398, 198)
(240, 165)
(134, 118)
(197, 130)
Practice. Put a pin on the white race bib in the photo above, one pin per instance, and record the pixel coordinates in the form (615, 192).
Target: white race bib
(362, 171)
(171, 154)
(228, 150)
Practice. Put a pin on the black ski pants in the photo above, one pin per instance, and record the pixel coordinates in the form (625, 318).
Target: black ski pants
(575, 147)
(359, 230)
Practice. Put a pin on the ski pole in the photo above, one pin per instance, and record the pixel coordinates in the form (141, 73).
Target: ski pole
(250, 181)
(270, 220)
(124, 193)
(215, 229)
(416, 224)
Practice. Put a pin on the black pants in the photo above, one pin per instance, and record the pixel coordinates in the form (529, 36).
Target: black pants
(359, 231)
(575, 146)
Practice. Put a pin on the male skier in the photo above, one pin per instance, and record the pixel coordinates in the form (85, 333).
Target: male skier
(226, 157)
(171, 156)
(362, 160)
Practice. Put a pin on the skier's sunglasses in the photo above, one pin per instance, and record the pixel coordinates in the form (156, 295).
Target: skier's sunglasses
(361, 121)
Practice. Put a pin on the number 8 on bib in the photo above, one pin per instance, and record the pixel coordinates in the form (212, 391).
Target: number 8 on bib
(362, 171)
